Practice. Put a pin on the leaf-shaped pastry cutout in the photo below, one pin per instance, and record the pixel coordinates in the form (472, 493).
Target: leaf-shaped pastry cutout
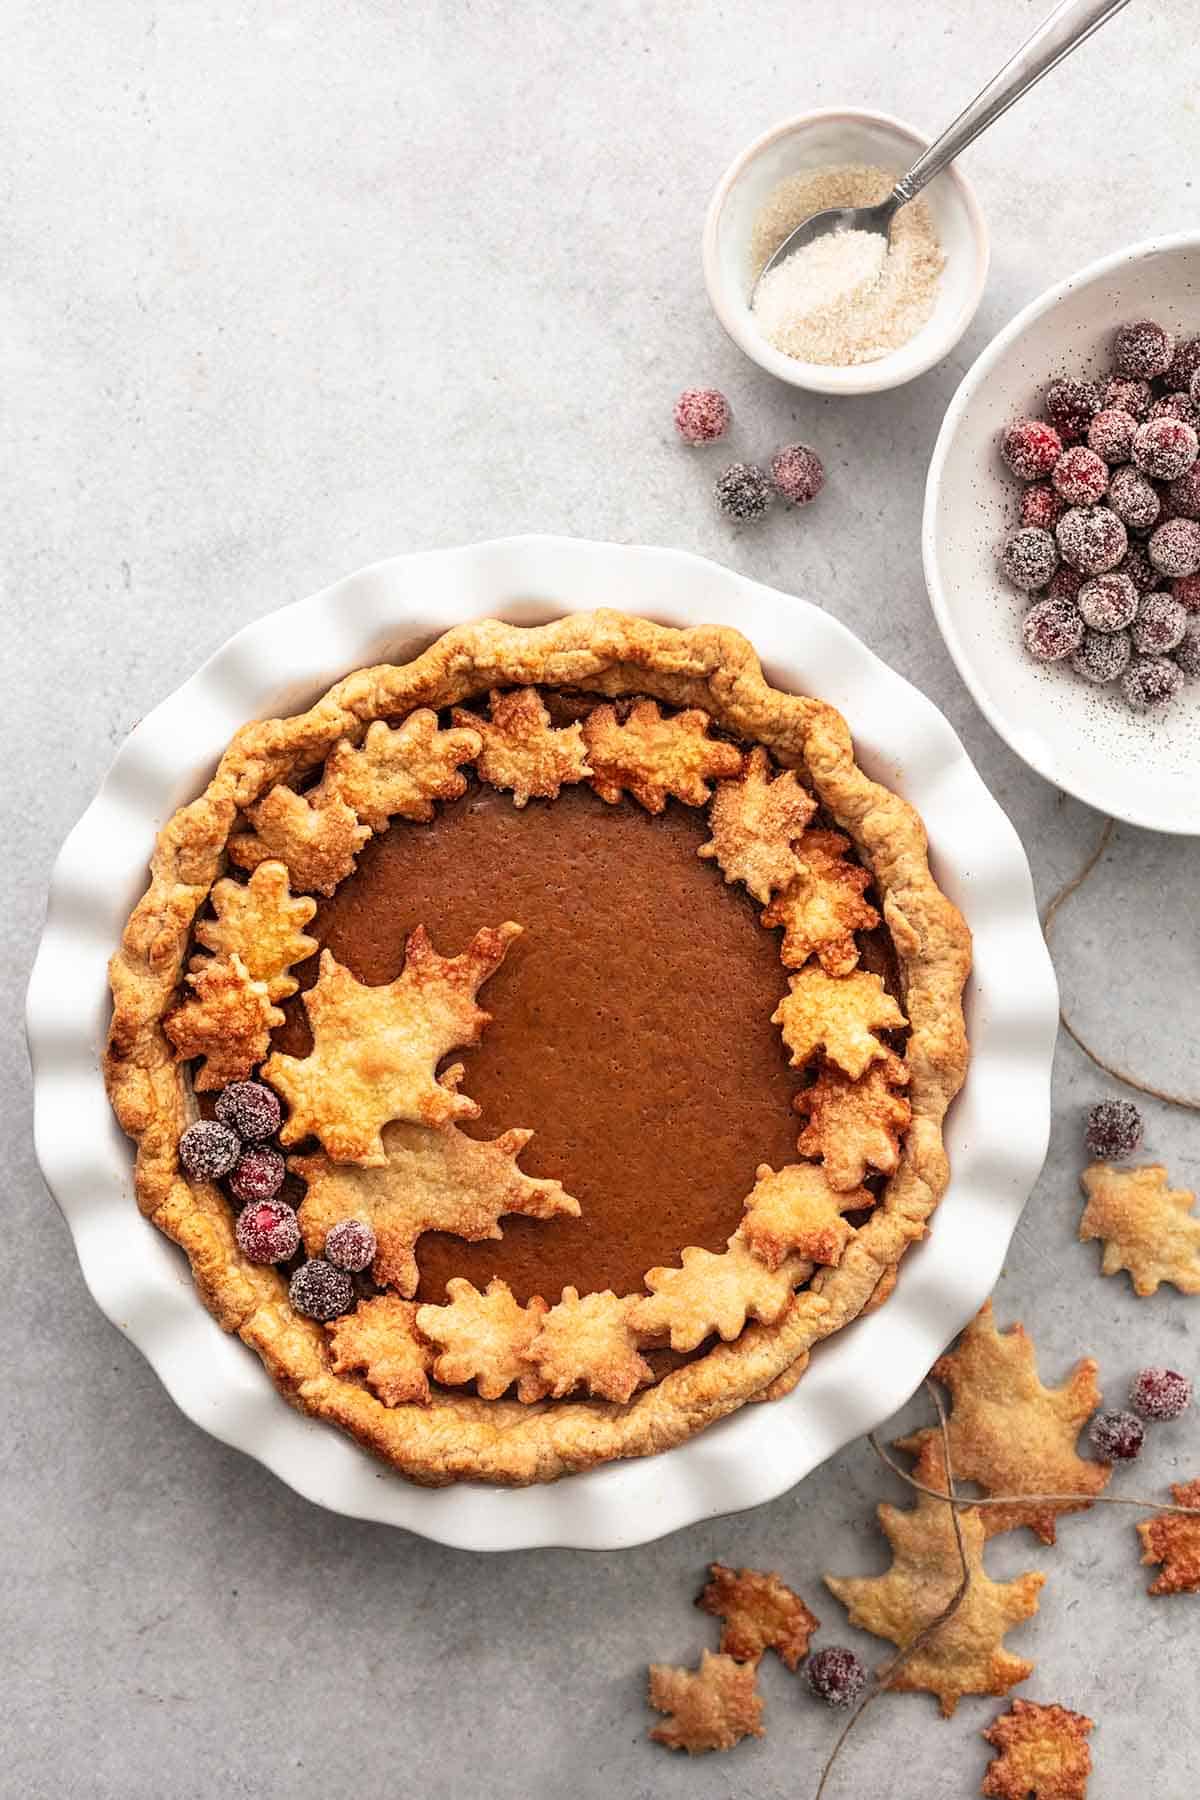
(227, 1020)
(262, 922)
(651, 757)
(1146, 1226)
(839, 1015)
(716, 1291)
(522, 751)
(823, 907)
(755, 822)
(318, 843)
(400, 771)
(710, 1708)
(589, 1343)
(759, 1612)
(797, 1212)
(483, 1338)
(854, 1126)
(1043, 1752)
(1173, 1539)
(380, 1338)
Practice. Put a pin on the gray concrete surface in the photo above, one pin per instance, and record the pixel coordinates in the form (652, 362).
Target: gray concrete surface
(291, 286)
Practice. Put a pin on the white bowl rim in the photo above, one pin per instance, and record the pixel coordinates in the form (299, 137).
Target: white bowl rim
(757, 1453)
(989, 356)
(889, 371)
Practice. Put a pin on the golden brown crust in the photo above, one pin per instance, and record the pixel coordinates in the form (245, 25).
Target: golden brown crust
(711, 668)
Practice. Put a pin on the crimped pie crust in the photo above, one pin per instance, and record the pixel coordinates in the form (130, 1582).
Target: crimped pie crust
(609, 653)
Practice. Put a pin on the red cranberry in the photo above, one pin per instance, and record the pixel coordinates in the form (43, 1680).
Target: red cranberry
(1031, 448)
(1164, 448)
(1140, 570)
(1117, 1436)
(1150, 682)
(798, 474)
(1174, 548)
(1092, 539)
(1160, 1394)
(208, 1150)
(259, 1174)
(702, 415)
(1064, 584)
(1052, 629)
(1142, 350)
(1187, 591)
(320, 1291)
(350, 1244)
(1133, 497)
(1108, 602)
(1184, 364)
(268, 1231)
(1102, 656)
(250, 1109)
(836, 1675)
(1110, 434)
(1041, 506)
(1030, 558)
(1175, 406)
(1158, 626)
(1114, 1130)
(1183, 495)
(1072, 405)
(1133, 397)
(1187, 650)
(1080, 476)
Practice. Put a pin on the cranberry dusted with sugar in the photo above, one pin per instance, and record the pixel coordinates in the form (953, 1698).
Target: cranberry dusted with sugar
(1158, 626)
(1142, 350)
(1052, 629)
(320, 1291)
(836, 1675)
(350, 1244)
(1185, 364)
(702, 415)
(268, 1231)
(259, 1174)
(1030, 558)
(1080, 476)
(743, 493)
(1133, 497)
(1133, 397)
(1160, 1394)
(1031, 448)
(1117, 1436)
(1110, 434)
(1187, 591)
(1140, 570)
(1187, 650)
(1102, 656)
(1092, 539)
(1164, 448)
(1041, 506)
(798, 474)
(1108, 602)
(208, 1149)
(1183, 495)
(1151, 682)
(1072, 405)
(1176, 406)
(1114, 1130)
(1064, 584)
(250, 1109)
(1174, 549)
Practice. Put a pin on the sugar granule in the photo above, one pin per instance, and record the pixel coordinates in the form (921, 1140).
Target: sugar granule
(845, 299)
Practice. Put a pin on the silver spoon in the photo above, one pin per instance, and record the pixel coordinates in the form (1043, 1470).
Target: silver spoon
(1065, 29)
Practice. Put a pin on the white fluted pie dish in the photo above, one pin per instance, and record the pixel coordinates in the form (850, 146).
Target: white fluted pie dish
(390, 612)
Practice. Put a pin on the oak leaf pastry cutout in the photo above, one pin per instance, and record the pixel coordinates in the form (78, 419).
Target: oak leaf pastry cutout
(1043, 1752)
(399, 771)
(1008, 1432)
(1145, 1226)
(754, 823)
(317, 837)
(716, 1291)
(429, 1180)
(1173, 1539)
(376, 1049)
(380, 1338)
(652, 757)
(966, 1654)
(589, 1343)
(837, 1014)
(823, 907)
(759, 1612)
(796, 1211)
(710, 1708)
(522, 751)
(483, 1338)
(260, 921)
(854, 1126)
(227, 1020)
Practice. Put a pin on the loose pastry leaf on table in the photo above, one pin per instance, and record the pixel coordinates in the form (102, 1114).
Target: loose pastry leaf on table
(758, 1612)
(226, 1020)
(589, 1343)
(1146, 1226)
(652, 757)
(1008, 1432)
(429, 1180)
(823, 907)
(380, 1339)
(1173, 1539)
(965, 1654)
(316, 837)
(1043, 1752)
(521, 751)
(755, 822)
(796, 1211)
(837, 1014)
(399, 771)
(262, 922)
(854, 1126)
(376, 1049)
(483, 1338)
(716, 1291)
(710, 1708)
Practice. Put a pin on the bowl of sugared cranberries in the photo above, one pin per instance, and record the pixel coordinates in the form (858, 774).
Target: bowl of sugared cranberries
(1062, 534)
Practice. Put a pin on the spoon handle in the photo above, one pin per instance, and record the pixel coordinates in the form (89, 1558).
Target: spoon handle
(1066, 28)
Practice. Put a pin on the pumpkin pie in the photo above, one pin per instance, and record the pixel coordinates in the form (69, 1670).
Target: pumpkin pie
(537, 1047)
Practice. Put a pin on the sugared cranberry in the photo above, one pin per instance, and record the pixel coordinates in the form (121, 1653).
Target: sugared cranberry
(1187, 591)
(1080, 476)
(258, 1175)
(1151, 682)
(1031, 448)
(1184, 364)
(1108, 602)
(1160, 1394)
(1133, 397)
(1133, 497)
(1110, 434)
(798, 474)
(1175, 406)
(702, 415)
(1187, 650)
(1052, 629)
(1092, 539)
(836, 1675)
(1102, 655)
(268, 1231)
(1142, 350)
(1072, 405)
(1174, 548)
(743, 493)
(1183, 494)
(1030, 558)
(350, 1244)
(1140, 570)
(1114, 1130)
(1041, 506)
(320, 1291)
(209, 1149)
(1158, 626)
(250, 1109)
(1064, 584)
(1117, 1436)
(1164, 448)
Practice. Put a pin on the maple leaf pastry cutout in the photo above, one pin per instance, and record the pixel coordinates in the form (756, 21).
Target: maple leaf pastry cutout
(823, 907)
(759, 1612)
(652, 757)
(400, 771)
(1043, 1752)
(376, 1049)
(710, 1708)
(716, 1291)
(755, 822)
(837, 1014)
(966, 1654)
(854, 1126)
(795, 1211)
(317, 837)
(429, 1180)
(260, 921)
(1008, 1432)
(380, 1339)
(521, 751)
(1173, 1539)
(226, 1020)
(483, 1338)
(589, 1343)
(1146, 1226)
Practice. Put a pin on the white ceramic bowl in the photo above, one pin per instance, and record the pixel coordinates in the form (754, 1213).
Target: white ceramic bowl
(807, 142)
(996, 1133)
(1139, 767)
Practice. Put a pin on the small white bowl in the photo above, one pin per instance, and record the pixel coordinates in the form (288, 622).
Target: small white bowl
(833, 136)
(1141, 767)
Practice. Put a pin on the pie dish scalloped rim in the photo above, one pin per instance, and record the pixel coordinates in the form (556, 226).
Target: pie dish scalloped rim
(388, 611)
